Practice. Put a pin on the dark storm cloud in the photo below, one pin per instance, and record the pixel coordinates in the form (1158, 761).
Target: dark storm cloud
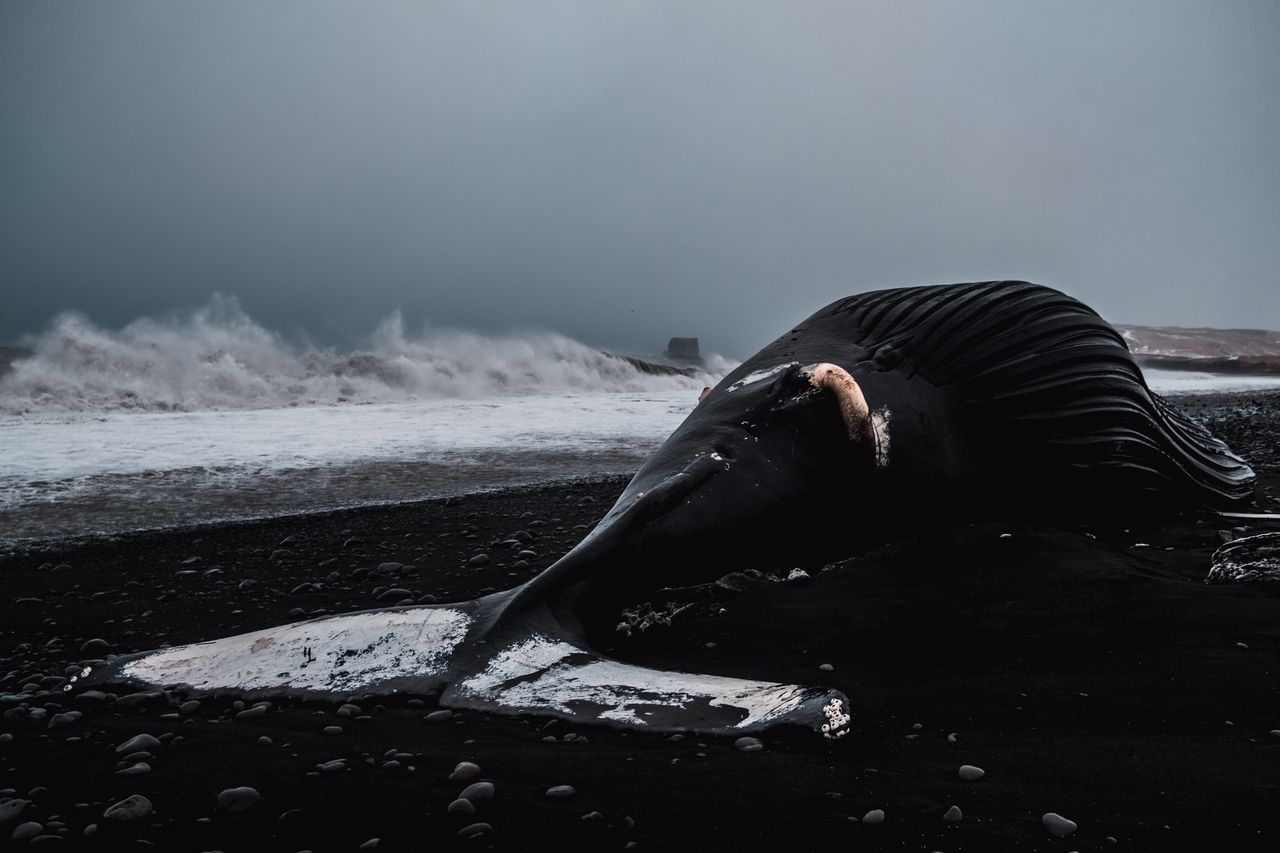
(627, 171)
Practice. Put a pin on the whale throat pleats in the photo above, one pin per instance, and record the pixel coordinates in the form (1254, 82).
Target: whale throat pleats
(1048, 368)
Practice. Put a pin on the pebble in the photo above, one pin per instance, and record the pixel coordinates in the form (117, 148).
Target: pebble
(1058, 826)
(749, 744)
(253, 713)
(371, 844)
(11, 811)
(873, 817)
(90, 697)
(349, 710)
(95, 648)
(477, 792)
(236, 800)
(461, 806)
(143, 698)
(134, 807)
(439, 716)
(139, 742)
(559, 792)
(479, 560)
(26, 831)
(66, 718)
(474, 829)
(135, 769)
(953, 814)
(333, 731)
(969, 773)
(464, 772)
(335, 764)
(189, 707)
(826, 667)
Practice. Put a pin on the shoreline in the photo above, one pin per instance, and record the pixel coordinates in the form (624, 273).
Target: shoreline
(213, 526)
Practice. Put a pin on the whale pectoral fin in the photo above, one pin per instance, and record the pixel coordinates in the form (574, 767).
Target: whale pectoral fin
(553, 677)
(437, 650)
(407, 648)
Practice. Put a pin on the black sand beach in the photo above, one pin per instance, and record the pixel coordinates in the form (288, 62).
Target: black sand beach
(1088, 671)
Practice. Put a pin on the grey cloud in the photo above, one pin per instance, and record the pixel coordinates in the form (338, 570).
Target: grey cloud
(628, 171)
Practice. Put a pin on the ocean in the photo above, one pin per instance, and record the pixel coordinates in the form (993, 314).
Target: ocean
(215, 418)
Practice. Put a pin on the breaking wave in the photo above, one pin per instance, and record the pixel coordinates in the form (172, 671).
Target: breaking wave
(220, 358)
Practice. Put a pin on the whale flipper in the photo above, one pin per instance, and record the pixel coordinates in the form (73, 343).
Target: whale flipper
(432, 650)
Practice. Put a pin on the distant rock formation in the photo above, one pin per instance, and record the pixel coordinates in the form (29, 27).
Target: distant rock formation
(653, 368)
(1253, 351)
(683, 350)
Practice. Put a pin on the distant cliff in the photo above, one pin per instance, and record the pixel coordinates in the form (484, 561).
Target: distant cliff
(1254, 351)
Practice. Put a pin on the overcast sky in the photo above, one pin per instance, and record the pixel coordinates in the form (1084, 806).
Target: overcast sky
(628, 171)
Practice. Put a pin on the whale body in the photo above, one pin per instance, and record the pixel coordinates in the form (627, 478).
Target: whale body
(981, 401)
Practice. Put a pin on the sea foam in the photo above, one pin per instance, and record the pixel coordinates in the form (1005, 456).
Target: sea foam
(218, 357)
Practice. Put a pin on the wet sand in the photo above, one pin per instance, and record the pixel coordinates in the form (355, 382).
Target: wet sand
(1087, 670)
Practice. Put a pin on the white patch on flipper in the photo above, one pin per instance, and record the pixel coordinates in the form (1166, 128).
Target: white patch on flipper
(346, 652)
(537, 675)
(760, 375)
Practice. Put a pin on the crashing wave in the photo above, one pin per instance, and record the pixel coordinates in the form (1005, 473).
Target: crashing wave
(220, 358)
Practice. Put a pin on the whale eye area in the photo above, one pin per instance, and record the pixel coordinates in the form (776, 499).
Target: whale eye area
(888, 357)
(792, 385)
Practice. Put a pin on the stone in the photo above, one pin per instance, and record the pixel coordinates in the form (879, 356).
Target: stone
(1058, 826)
(237, 800)
(477, 792)
(11, 810)
(464, 772)
(462, 807)
(133, 807)
(95, 648)
(139, 742)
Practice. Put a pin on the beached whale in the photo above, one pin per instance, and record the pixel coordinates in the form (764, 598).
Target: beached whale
(975, 401)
